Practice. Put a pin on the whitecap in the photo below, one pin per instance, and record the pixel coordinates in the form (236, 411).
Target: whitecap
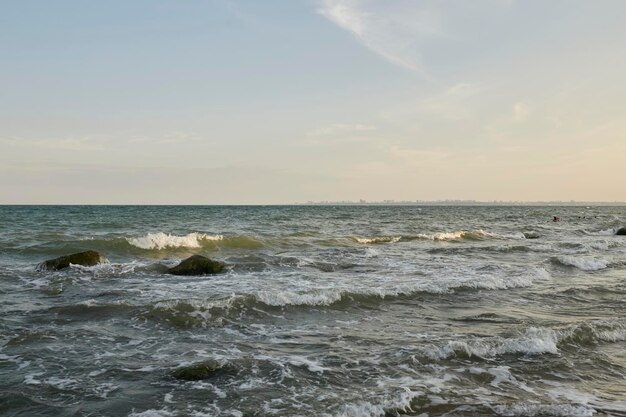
(533, 409)
(152, 413)
(380, 239)
(583, 263)
(161, 240)
(470, 234)
(312, 365)
(533, 342)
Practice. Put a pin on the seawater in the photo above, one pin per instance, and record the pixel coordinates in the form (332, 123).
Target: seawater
(322, 311)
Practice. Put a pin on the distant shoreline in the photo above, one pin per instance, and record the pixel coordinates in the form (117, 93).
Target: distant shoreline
(450, 203)
(470, 203)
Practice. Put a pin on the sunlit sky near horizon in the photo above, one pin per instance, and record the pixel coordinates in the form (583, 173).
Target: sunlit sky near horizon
(263, 102)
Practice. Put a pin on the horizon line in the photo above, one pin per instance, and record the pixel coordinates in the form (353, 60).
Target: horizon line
(338, 203)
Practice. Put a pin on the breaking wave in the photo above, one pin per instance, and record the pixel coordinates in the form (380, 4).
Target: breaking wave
(382, 239)
(202, 312)
(161, 240)
(582, 263)
(534, 341)
(458, 235)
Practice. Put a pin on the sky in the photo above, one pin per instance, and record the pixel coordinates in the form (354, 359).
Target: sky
(285, 101)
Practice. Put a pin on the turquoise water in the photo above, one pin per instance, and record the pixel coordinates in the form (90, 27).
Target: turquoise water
(322, 311)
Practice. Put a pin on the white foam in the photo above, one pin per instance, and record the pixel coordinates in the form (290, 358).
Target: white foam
(283, 298)
(152, 413)
(534, 341)
(381, 239)
(470, 234)
(435, 285)
(62, 383)
(605, 232)
(584, 263)
(533, 409)
(161, 240)
(367, 409)
(441, 236)
(103, 390)
(618, 335)
(312, 365)
(600, 245)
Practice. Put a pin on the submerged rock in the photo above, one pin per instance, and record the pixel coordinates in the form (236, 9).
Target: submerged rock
(197, 265)
(531, 235)
(198, 371)
(621, 231)
(88, 258)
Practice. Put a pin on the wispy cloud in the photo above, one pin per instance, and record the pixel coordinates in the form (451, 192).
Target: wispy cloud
(68, 144)
(340, 128)
(520, 111)
(454, 103)
(416, 35)
(392, 30)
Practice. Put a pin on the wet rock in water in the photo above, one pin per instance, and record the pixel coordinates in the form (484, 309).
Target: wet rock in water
(531, 235)
(197, 265)
(621, 231)
(198, 371)
(88, 258)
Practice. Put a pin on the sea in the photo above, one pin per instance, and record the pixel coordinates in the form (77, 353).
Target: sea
(321, 311)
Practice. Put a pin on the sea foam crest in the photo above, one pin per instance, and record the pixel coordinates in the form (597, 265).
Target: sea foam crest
(534, 341)
(442, 236)
(381, 239)
(583, 263)
(396, 405)
(529, 409)
(457, 235)
(161, 240)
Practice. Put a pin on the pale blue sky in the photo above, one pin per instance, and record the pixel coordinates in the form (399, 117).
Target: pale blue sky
(232, 102)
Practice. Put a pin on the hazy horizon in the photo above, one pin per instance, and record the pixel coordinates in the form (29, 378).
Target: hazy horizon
(235, 102)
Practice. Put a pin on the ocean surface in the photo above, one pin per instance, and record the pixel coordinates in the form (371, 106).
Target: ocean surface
(322, 311)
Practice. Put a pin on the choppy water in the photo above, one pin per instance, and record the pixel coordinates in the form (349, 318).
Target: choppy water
(323, 311)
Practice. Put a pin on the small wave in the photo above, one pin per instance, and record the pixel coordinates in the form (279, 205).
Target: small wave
(593, 333)
(400, 404)
(187, 313)
(455, 235)
(161, 240)
(382, 239)
(440, 237)
(91, 310)
(329, 297)
(533, 341)
(604, 232)
(582, 263)
(152, 413)
(541, 410)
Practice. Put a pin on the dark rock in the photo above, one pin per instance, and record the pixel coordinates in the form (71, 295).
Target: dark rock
(88, 258)
(621, 231)
(198, 371)
(531, 235)
(197, 265)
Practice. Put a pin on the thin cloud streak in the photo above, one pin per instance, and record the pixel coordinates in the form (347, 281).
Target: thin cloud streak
(340, 128)
(392, 33)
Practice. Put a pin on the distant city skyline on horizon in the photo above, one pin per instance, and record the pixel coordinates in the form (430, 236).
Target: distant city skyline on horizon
(234, 102)
(448, 202)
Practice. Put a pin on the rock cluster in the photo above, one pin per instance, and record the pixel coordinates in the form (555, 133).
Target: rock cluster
(194, 265)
